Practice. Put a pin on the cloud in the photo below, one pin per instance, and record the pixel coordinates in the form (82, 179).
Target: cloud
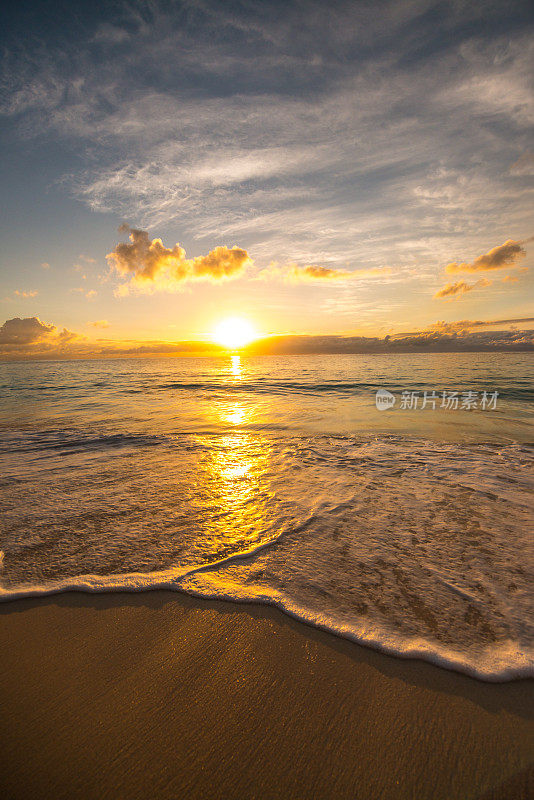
(29, 334)
(110, 34)
(499, 257)
(89, 294)
(515, 321)
(31, 338)
(432, 341)
(524, 165)
(460, 287)
(222, 263)
(99, 323)
(342, 144)
(316, 274)
(24, 331)
(45, 265)
(25, 294)
(469, 324)
(462, 326)
(341, 140)
(312, 273)
(150, 265)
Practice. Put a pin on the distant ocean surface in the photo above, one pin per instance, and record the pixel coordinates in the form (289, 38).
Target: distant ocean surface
(277, 480)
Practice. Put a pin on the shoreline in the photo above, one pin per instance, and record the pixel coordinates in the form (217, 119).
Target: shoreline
(165, 581)
(160, 694)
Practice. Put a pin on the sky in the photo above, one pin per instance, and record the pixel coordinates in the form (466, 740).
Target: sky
(319, 169)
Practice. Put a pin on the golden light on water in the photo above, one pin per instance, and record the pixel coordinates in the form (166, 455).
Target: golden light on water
(234, 332)
(235, 367)
(234, 413)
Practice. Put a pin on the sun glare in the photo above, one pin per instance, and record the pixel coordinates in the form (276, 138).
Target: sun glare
(234, 332)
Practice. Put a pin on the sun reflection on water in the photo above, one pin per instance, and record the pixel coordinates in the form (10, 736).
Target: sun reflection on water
(235, 413)
(233, 460)
(237, 467)
(237, 470)
(235, 366)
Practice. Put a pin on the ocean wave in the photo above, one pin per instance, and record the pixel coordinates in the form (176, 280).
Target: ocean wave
(518, 391)
(496, 663)
(415, 547)
(53, 440)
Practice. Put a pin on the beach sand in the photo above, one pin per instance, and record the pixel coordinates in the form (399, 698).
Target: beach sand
(157, 695)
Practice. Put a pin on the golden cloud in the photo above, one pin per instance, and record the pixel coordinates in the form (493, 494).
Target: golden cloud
(99, 323)
(312, 273)
(499, 257)
(152, 266)
(460, 287)
(460, 326)
(315, 273)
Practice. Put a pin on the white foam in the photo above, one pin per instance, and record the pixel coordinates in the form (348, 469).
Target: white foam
(498, 663)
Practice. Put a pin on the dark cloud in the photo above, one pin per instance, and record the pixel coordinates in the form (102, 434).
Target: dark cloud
(424, 341)
(19, 331)
(463, 326)
(26, 335)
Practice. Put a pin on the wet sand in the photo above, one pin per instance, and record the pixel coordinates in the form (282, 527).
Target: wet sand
(159, 696)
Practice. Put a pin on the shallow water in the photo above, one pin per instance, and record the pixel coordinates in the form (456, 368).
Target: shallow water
(277, 480)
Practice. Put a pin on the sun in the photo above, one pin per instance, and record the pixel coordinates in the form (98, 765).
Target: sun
(234, 332)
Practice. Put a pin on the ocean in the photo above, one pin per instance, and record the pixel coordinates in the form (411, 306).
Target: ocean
(278, 480)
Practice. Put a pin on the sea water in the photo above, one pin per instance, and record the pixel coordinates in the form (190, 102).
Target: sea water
(278, 480)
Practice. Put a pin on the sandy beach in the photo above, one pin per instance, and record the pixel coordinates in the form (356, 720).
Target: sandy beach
(158, 695)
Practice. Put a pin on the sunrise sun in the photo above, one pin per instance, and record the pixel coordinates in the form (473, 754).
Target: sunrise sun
(234, 332)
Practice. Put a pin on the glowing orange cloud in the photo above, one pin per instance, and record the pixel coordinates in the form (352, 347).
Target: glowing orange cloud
(460, 287)
(499, 257)
(152, 266)
(312, 273)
